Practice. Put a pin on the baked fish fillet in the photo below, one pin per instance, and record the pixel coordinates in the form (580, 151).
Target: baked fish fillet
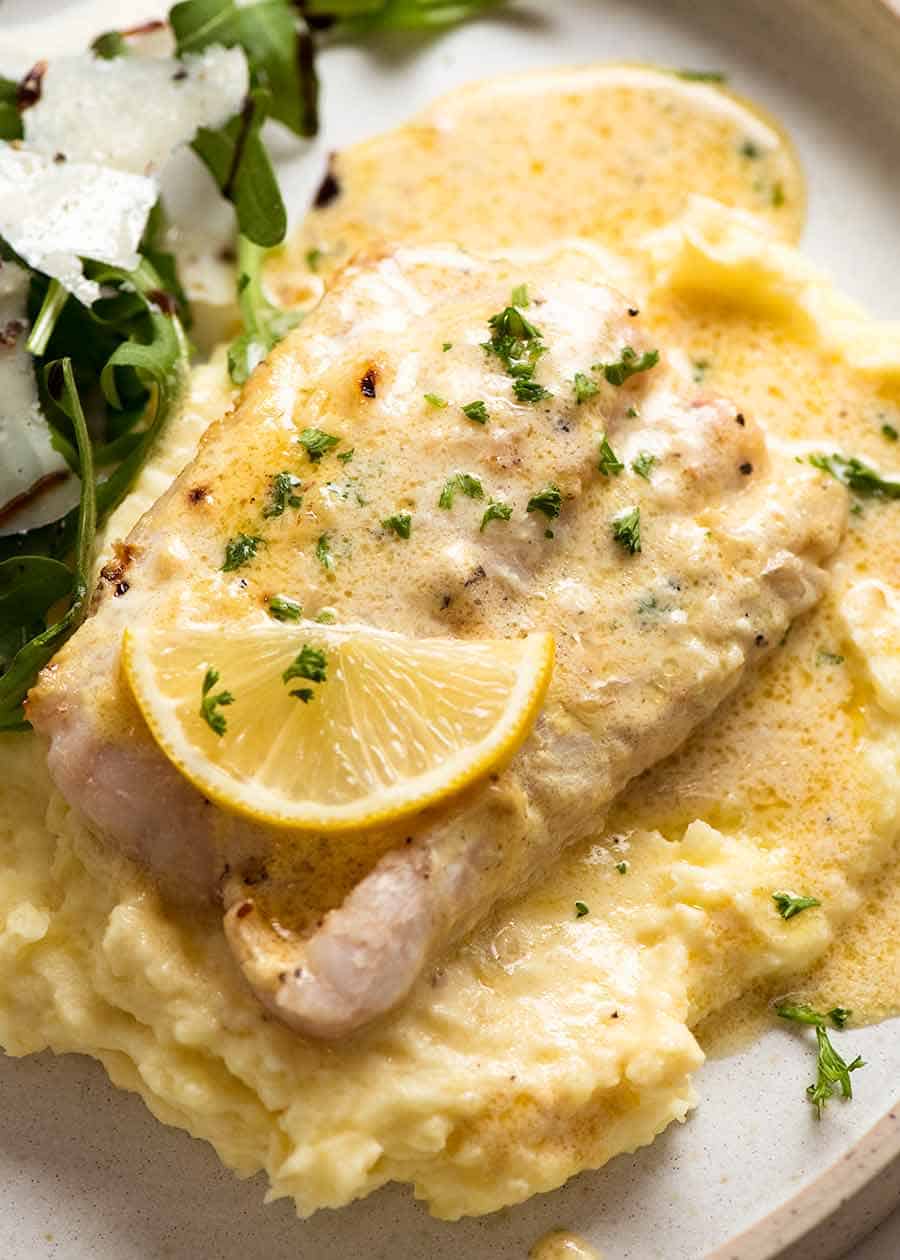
(332, 932)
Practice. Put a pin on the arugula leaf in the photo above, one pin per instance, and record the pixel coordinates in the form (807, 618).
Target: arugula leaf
(239, 163)
(29, 585)
(264, 323)
(361, 16)
(276, 43)
(10, 118)
(33, 655)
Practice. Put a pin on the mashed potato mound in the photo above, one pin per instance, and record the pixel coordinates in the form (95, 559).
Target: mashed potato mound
(553, 1039)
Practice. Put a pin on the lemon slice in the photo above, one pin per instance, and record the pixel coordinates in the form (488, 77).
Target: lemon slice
(333, 728)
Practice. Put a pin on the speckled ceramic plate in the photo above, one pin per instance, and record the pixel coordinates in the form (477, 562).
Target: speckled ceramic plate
(86, 1172)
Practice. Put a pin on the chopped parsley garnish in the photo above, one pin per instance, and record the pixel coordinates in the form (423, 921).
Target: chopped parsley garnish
(467, 485)
(210, 704)
(643, 464)
(283, 495)
(310, 663)
(346, 456)
(777, 194)
(608, 464)
(326, 616)
(857, 476)
(317, 443)
(824, 657)
(632, 412)
(240, 551)
(476, 411)
(626, 529)
(527, 390)
(750, 149)
(889, 433)
(435, 400)
(284, 609)
(448, 345)
(323, 552)
(581, 909)
(622, 868)
(699, 368)
(548, 501)
(519, 296)
(833, 1072)
(629, 364)
(702, 76)
(313, 258)
(788, 903)
(518, 345)
(400, 523)
(585, 388)
(495, 512)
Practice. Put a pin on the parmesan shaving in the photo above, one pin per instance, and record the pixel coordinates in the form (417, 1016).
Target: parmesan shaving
(26, 454)
(132, 113)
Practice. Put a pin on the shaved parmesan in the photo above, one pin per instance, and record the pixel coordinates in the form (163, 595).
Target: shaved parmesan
(53, 214)
(27, 457)
(133, 112)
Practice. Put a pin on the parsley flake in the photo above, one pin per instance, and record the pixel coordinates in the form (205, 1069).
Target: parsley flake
(346, 456)
(857, 476)
(527, 390)
(282, 495)
(313, 258)
(643, 464)
(323, 552)
(284, 609)
(317, 443)
(627, 365)
(581, 909)
(889, 433)
(622, 868)
(495, 511)
(702, 76)
(240, 550)
(310, 663)
(585, 388)
(548, 501)
(824, 657)
(519, 296)
(626, 529)
(789, 904)
(435, 400)
(400, 523)
(608, 463)
(467, 485)
(448, 345)
(210, 704)
(833, 1072)
(476, 411)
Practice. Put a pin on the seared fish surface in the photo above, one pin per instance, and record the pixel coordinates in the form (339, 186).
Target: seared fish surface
(649, 528)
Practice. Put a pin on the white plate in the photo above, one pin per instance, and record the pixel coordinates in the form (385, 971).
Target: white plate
(85, 1172)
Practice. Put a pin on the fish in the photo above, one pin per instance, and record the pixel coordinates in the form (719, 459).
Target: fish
(652, 528)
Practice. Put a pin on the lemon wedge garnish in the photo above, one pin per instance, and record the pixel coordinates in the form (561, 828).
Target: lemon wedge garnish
(330, 727)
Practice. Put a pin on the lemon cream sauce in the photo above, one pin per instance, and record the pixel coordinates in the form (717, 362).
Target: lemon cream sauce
(556, 1036)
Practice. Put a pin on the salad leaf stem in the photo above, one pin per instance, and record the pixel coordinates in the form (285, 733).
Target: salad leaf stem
(51, 309)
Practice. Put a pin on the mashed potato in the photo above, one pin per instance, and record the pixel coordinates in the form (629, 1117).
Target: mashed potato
(553, 1039)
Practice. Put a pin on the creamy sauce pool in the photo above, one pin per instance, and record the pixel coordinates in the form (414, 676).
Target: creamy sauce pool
(552, 1041)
